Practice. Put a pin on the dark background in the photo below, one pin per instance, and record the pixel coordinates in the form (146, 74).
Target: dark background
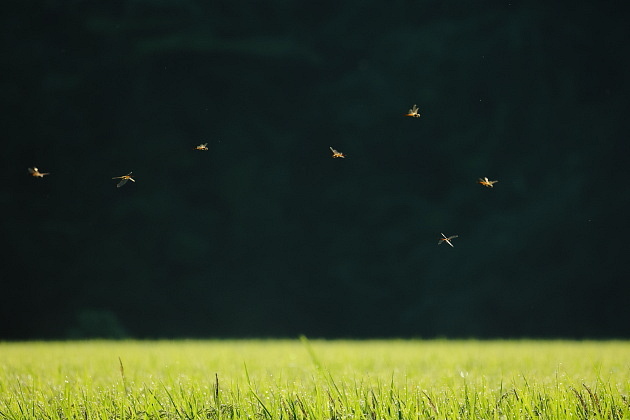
(265, 235)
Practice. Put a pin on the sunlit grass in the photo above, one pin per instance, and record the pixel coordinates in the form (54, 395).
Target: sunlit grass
(293, 379)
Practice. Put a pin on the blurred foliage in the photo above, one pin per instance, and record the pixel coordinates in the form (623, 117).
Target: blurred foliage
(92, 324)
(265, 234)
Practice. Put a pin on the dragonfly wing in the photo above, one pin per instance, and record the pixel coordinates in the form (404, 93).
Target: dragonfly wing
(122, 182)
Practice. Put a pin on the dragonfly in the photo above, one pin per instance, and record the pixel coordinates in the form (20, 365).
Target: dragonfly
(203, 146)
(124, 179)
(413, 112)
(35, 172)
(486, 183)
(447, 240)
(336, 153)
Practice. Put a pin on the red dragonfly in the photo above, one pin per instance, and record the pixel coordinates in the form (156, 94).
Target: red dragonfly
(413, 112)
(486, 183)
(202, 147)
(447, 240)
(336, 153)
(124, 179)
(35, 172)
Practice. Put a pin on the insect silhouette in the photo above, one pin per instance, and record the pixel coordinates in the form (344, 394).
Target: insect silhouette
(413, 112)
(124, 179)
(447, 240)
(336, 153)
(486, 183)
(35, 172)
(203, 146)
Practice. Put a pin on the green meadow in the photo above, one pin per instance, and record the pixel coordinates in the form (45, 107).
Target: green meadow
(301, 379)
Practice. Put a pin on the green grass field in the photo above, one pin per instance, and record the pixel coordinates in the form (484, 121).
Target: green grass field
(293, 379)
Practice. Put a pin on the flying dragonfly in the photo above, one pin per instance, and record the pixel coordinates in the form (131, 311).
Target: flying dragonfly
(486, 183)
(35, 172)
(124, 179)
(336, 153)
(447, 240)
(413, 112)
(202, 147)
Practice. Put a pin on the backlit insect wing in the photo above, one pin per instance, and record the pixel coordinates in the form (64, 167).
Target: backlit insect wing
(203, 146)
(122, 182)
(336, 153)
(447, 240)
(413, 112)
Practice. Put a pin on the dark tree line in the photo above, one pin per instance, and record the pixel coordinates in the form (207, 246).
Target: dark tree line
(265, 234)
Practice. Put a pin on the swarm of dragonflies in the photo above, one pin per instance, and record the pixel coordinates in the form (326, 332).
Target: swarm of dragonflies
(412, 112)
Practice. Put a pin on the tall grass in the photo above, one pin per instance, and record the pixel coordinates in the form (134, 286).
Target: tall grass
(292, 379)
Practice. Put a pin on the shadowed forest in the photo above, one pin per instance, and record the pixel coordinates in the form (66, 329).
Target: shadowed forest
(265, 234)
